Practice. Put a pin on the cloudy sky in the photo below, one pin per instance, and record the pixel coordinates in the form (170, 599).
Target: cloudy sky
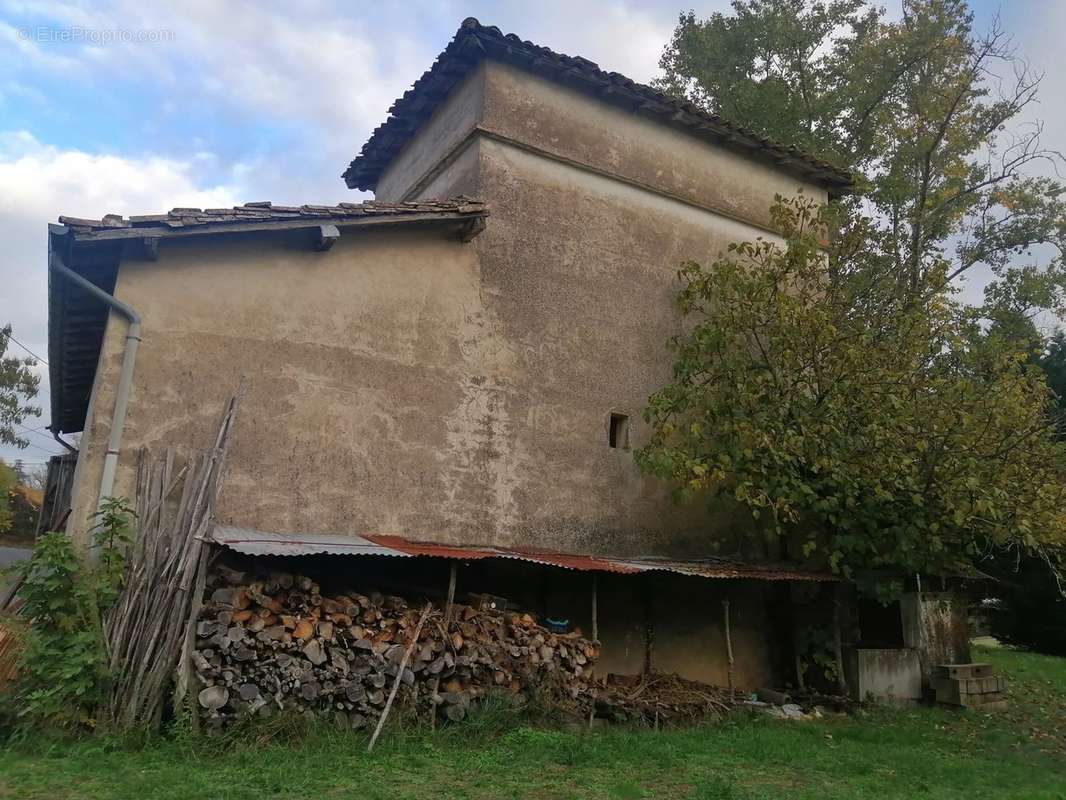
(228, 102)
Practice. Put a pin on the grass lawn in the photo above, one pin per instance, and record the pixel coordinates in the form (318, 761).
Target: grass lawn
(879, 753)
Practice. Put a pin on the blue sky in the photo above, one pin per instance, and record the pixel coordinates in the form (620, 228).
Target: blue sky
(226, 102)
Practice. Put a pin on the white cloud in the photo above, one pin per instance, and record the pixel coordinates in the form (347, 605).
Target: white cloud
(315, 63)
(40, 183)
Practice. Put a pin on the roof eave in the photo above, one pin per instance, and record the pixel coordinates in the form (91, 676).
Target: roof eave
(86, 234)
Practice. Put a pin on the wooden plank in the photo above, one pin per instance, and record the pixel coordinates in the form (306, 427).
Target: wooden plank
(326, 238)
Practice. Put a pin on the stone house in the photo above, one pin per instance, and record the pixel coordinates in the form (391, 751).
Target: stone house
(463, 373)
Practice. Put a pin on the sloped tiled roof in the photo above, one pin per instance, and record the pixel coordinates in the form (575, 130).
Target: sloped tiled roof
(266, 212)
(475, 42)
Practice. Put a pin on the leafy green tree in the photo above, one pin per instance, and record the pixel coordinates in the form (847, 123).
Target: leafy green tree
(925, 111)
(860, 421)
(18, 387)
(1053, 362)
(8, 481)
(1030, 589)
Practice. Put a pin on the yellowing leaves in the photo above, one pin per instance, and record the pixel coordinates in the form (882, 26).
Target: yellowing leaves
(895, 433)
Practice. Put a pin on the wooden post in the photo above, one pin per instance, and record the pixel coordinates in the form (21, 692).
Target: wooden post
(649, 627)
(728, 647)
(453, 572)
(186, 673)
(799, 674)
(838, 643)
(399, 676)
(595, 601)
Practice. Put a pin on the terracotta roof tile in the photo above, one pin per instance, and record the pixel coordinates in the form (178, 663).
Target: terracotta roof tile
(264, 211)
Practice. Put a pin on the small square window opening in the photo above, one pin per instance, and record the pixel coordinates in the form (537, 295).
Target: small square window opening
(618, 431)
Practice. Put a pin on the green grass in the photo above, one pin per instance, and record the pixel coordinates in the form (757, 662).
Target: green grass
(880, 753)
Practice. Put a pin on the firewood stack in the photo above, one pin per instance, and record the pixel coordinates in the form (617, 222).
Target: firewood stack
(277, 643)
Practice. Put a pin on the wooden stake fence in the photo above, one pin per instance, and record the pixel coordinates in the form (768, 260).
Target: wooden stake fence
(146, 630)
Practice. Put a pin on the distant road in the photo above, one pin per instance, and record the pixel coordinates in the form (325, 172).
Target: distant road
(9, 555)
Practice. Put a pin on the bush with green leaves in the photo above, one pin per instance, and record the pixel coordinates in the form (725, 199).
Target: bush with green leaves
(63, 674)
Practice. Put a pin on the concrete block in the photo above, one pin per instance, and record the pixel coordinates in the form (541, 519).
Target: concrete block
(962, 671)
(970, 692)
(996, 683)
(886, 675)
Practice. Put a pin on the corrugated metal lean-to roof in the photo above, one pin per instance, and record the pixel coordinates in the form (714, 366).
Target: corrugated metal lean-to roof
(262, 543)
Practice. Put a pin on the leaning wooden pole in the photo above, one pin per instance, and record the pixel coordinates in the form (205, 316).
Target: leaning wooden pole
(595, 637)
(595, 603)
(453, 574)
(399, 676)
(728, 647)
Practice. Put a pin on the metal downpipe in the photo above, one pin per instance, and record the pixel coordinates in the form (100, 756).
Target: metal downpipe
(125, 379)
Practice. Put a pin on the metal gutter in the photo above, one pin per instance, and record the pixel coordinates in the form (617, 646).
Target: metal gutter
(125, 379)
(62, 441)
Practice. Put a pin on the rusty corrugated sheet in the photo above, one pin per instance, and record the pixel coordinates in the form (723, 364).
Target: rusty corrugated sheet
(564, 560)
(253, 542)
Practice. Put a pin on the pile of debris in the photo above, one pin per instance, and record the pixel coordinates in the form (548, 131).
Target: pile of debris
(659, 700)
(277, 643)
(804, 705)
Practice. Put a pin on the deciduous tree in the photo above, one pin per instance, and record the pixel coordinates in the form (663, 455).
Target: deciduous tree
(18, 387)
(876, 428)
(924, 109)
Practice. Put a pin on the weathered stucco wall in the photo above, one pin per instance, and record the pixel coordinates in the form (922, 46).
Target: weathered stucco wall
(593, 209)
(886, 675)
(407, 383)
(441, 136)
(566, 124)
(578, 276)
(502, 102)
(688, 628)
(353, 359)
